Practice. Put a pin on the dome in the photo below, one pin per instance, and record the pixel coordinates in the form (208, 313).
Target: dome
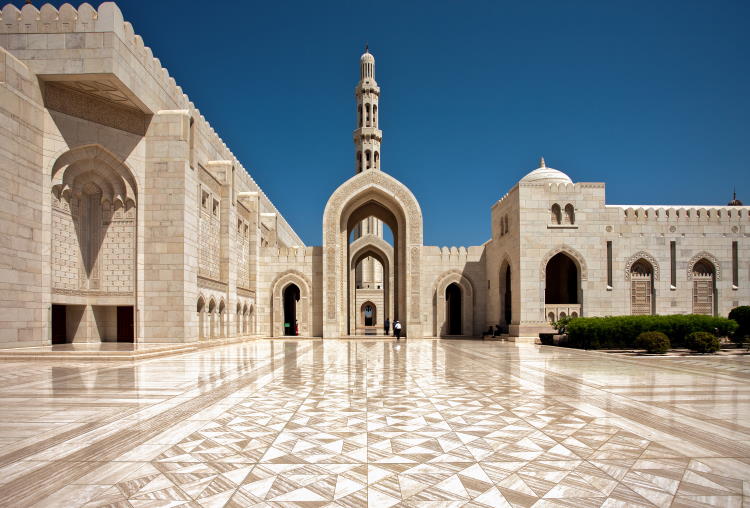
(543, 174)
(735, 201)
(367, 57)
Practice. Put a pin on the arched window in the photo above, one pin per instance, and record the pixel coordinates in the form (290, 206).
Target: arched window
(377, 160)
(359, 162)
(641, 288)
(570, 214)
(556, 214)
(367, 111)
(368, 161)
(359, 115)
(375, 115)
(704, 287)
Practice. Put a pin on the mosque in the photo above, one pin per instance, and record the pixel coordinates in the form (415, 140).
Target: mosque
(126, 218)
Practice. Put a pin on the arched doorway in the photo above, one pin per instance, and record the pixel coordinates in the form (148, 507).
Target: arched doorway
(562, 290)
(453, 305)
(380, 251)
(453, 309)
(506, 296)
(641, 288)
(371, 194)
(291, 296)
(282, 297)
(704, 287)
(368, 316)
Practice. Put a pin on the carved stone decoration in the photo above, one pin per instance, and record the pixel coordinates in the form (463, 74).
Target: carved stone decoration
(642, 255)
(708, 257)
(95, 106)
(304, 315)
(378, 189)
(467, 302)
(570, 251)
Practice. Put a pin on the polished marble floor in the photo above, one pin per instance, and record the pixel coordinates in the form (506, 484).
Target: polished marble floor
(370, 422)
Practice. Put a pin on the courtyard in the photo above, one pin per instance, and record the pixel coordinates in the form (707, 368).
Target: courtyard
(378, 423)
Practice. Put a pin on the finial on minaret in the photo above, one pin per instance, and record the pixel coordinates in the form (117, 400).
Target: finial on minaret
(541, 163)
(367, 48)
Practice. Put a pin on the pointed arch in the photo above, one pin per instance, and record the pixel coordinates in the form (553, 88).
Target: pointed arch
(303, 314)
(442, 282)
(372, 193)
(708, 257)
(642, 254)
(576, 256)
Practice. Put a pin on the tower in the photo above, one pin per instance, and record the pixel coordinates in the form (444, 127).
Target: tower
(367, 138)
(367, 135)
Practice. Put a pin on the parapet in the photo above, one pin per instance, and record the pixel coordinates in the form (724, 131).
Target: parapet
(683, 214)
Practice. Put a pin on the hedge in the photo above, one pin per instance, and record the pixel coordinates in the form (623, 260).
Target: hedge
(620, 332)
(742, 316)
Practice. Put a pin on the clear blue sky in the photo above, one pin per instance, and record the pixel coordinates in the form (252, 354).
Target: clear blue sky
(650, 97)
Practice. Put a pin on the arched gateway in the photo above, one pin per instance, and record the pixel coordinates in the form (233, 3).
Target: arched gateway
(371, 194)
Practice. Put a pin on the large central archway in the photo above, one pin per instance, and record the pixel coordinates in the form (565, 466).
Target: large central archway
(381, 251)
(372, 194)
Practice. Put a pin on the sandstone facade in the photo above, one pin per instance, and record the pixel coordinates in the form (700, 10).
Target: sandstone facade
(125, 217)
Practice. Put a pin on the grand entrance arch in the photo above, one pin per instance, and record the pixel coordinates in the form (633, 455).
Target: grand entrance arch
(371, 194)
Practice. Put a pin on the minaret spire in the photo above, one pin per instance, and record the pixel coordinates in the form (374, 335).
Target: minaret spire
(367, 136)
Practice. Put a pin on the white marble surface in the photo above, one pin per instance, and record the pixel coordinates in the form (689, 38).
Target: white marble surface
(372, 422)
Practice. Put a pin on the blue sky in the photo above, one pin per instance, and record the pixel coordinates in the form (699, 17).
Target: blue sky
(649, 97)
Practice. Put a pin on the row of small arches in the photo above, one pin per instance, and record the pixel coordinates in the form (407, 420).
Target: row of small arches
(370, 117)
(559, 215)
(368, 160)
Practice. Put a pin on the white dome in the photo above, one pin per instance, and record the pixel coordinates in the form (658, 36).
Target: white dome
(367, 57)
(546, 175)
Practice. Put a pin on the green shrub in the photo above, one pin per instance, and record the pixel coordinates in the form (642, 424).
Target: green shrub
(652, 342)
(620, 332)
(741, 315)
(561, 325)
(703, 342)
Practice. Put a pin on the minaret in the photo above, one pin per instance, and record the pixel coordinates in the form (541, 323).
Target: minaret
(367, 136)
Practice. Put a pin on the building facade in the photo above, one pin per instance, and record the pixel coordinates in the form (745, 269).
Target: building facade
(125, 217)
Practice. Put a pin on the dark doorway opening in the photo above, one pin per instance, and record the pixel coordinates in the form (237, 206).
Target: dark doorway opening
(125, 316)
(291, 297)
(453, 308)
(369, 312)
(59, 325)
(561, 281)
(508, 310)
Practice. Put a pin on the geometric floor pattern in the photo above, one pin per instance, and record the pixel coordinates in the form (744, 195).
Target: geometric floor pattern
(373, 423)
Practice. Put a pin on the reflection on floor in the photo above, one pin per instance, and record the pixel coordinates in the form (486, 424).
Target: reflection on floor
(352, 423)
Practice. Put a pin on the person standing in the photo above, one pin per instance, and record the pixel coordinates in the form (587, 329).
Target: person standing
(387, 326)
(397, 329)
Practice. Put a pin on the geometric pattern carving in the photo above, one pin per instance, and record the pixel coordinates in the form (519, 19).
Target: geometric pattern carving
(642, 255)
